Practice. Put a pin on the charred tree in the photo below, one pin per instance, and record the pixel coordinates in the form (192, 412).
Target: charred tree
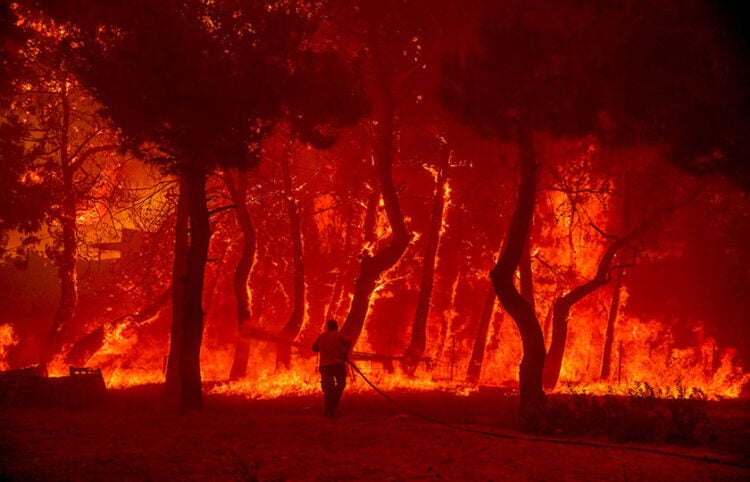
(416, 347)
(503, 280)
(292, 327)
(237, 186)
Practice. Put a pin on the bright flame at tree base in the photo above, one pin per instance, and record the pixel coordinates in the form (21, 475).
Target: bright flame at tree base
(645, 363)
(681, 380)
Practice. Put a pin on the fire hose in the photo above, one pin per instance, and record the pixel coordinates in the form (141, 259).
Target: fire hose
(558, 441)
(536, 439)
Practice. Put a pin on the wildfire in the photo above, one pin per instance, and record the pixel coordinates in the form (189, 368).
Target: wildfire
(647, 364)
(7, 339)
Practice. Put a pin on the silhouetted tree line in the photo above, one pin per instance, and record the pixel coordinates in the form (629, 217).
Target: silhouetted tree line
(398, 101)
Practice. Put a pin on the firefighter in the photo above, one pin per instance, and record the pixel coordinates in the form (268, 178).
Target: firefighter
(333, 349)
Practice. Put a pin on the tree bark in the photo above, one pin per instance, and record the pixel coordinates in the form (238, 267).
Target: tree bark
(192, 320)
(609, 334)
(294, 323)
(238, 192)
(259, 295)
(371, 215)
(416, 347)
(525, 274)
(338, 286)
(68, 258)
(179, 271)
(530, 371)
(480, 342)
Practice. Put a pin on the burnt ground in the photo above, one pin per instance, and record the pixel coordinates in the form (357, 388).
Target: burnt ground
(134, 436)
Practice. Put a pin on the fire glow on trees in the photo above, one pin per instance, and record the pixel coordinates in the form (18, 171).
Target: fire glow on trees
(336, 189)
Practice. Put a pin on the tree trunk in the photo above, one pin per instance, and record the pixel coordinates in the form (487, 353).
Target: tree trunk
(292, 327)
(192, 320)
(371, 215)
(416, 347)
(238, 191)
(525, 274)
(503, 274)
(68, 258)
(371, 267)
(562, 306)
(338, 286)
(480, 342)
(609, 335)
(179, 270)
(259, 295)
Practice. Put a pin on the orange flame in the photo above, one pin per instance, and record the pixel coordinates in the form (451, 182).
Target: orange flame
(7, 339)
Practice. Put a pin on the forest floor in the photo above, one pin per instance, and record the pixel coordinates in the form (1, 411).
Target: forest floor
(133, 436)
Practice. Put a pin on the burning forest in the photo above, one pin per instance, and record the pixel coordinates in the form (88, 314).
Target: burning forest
(548, 203)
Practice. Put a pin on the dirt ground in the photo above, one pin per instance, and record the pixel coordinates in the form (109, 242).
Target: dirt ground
(133, 436)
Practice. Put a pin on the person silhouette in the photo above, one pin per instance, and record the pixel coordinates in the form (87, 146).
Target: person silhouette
(334, 350)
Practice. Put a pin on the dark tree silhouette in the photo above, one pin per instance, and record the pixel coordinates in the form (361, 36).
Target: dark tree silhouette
(294, 323)
(416, 347)
(587, 71)
(236, 183)
(474, 369)
(204, 96)
(562, 306)
(58, 176)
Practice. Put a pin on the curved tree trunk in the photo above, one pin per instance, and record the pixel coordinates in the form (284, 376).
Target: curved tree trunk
(237, 186)
(338, 286)
(416, 347)
(503, 277)
(192, 320)
(480, 342)
(294, 324)
(371, 267)
(562, 306)
(525, 273)
(609, 334)
(179, 269)
(68, 258)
